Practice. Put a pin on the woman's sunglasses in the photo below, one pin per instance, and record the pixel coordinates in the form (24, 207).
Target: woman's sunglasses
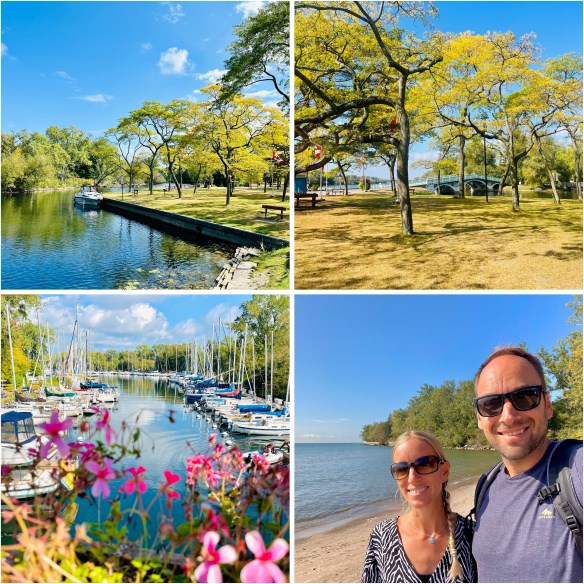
(522, 399)
(423, 465)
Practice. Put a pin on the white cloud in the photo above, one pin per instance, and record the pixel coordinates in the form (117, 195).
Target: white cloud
(211, 76)
(110, 325)
(174, 61)
(4, 50)
(263, 93)
(146, 46)
(249, 7)
(188, 329)
(64, 75)
(225, 312)
(175, 12)
(97, 98)
(310, 436)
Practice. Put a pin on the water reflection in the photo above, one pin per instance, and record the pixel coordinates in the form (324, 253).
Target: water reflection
(50, 243)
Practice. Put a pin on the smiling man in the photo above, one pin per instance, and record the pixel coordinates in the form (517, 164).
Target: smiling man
(517, 538)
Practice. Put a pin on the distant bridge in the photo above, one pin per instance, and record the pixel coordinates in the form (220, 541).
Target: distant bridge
(449, 184)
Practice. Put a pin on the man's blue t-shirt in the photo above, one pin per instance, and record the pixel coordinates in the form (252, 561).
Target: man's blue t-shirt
(517, 539)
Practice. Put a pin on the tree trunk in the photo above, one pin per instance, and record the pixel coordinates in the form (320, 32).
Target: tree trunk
(514, 184)
(151, 171)
(503, 180)
(577, 166)
(403, 149)
(198, 178)
(548, 169)
(286, 180)
(391, 165)
(342, 171)
(228, 183)
(461, 160)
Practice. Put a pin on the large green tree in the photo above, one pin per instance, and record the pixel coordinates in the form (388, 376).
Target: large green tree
(260, 52)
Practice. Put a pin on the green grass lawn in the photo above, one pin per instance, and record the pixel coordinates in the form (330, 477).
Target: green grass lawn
(244, 211)
(356, 242)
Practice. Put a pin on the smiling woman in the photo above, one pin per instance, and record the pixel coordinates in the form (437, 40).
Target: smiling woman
(428, 542)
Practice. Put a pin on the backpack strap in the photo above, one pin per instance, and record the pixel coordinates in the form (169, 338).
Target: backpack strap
(483, 484)
(560, 488)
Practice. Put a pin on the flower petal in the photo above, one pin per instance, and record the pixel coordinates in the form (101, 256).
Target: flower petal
(210, 541)
(255, 543)
(278, 549)
(226, 555)
(276, 575)
(214, 574)
(254, 572)
(201, 572)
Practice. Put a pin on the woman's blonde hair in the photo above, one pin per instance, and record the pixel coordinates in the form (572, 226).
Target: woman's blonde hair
(455, 569)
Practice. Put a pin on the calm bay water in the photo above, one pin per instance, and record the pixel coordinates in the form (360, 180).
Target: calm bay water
(336, 483)
(50, 243)
(146, 403)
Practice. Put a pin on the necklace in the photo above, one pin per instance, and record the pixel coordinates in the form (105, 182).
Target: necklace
(432, 536)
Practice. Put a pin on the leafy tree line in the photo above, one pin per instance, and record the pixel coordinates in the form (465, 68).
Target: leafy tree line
(265, 319)
(227, 139)
(368, 88)
(448, 412)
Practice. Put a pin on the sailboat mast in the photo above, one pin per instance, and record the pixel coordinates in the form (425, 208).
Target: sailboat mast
(11, 350)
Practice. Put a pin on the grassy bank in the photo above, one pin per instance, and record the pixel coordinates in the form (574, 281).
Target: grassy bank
(356, 242)
(244, 211)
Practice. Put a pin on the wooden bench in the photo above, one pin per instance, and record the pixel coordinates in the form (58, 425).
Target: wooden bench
(274, 208)
(299, 196)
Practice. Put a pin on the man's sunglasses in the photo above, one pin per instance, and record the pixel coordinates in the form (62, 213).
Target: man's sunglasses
(423, 465)
(522, 399)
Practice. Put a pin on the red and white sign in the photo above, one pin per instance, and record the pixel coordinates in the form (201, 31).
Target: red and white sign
(277, 158)
(317, 151)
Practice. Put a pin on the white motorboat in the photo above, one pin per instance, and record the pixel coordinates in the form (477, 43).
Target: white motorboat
(23, 480)
(272, 454)
(88, 196)
(271, 426)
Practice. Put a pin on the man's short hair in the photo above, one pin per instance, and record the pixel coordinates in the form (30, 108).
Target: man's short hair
(518, 352)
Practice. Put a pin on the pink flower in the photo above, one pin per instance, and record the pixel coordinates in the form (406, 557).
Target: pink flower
(171, 478)
(209, 570)
(103, 475)
(53, 429)
(263, 568)
(261, 463)
(136, 483)
(103, 424)
(201, 466)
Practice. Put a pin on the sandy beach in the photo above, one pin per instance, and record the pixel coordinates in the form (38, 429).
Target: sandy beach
(338, 555)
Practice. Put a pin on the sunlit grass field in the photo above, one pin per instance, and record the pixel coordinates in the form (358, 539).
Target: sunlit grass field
(244, 210)
(356, 242)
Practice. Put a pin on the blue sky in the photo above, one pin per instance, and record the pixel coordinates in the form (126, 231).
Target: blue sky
(123, 321)
(358, 357)
(87, 64)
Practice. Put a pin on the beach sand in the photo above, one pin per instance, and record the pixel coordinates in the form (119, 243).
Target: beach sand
(338, 555)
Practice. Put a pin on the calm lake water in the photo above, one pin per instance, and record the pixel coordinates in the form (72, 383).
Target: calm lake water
(337, 483)
(50, 243)
(164, 444)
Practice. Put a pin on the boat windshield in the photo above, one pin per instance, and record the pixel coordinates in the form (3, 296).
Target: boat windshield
(17, 428)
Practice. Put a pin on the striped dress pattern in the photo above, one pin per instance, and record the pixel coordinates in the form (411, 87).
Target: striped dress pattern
(386, 560)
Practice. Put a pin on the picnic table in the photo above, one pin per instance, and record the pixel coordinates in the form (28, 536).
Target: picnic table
(299, 196)
(275, 208)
